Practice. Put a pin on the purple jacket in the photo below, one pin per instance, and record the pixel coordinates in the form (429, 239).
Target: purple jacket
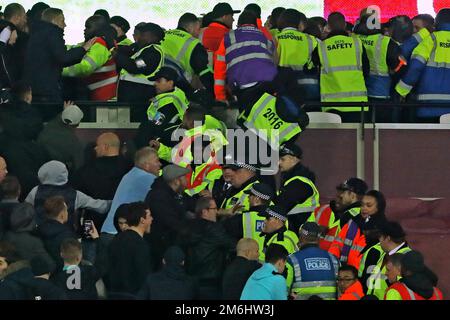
(249, 57)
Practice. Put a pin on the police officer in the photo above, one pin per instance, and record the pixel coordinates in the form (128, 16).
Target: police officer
(134, 85)
(166, 109)
(385, 60)
(429, 61)
(311, 270)
(298, 193)
(343, 65)
(275, 231)
(186, 55)
(274, 119)
(250, 223)
(245, 175)
(294, 48)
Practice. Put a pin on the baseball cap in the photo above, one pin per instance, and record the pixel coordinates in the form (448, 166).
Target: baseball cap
(310, 229)
(166, 73)
(222, 9)
(72, 115)
(276, 212)
(261, 190)
(355, 185)
(291, 149)
(172, 171)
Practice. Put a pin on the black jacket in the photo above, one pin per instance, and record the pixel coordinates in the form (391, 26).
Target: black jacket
(46, 56)
(169, 214)
(12, 57)
(236, 276)
(53, 234)
(15, 281)
(296, 191)
(42, 289)
(89, 277)
(129, 262)
(207, 245)
(100, 178)
(171, 283)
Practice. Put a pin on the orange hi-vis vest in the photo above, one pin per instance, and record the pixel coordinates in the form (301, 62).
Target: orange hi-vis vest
(348, 245)
(102, 84)
(408, 294)
(325, 217)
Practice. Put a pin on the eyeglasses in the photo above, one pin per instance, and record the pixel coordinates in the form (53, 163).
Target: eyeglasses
(345, 279)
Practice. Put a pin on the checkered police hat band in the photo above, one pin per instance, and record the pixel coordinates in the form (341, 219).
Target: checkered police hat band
(276, 215)
(259, 194)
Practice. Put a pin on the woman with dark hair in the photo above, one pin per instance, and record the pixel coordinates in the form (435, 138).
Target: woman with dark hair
(372, 216)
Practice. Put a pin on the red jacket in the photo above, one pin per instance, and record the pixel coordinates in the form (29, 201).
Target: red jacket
(408, 294)
(264, 30)
(344, 240)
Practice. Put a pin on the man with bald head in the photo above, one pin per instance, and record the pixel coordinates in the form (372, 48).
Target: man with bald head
(240, 269)
(100, 178)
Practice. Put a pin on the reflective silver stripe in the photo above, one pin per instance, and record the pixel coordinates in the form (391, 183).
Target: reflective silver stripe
(329, 238)
(183, 50)
(297, 269)
(320, 212)
(343, 95)
(339, 240)
(245, 44)
(265, 102)
(378, 54)
(312, 284)
(259, 55)
(433, 51)
(308, 81)
(410, 292)
(439, 64)
(297, 210)
(357, 248)
(405, 86)
(433, 97)
(130, 78)
(348, 242)
(103, 83)
(90, 61)
(106, 68)
(232, 37)
(310, 46)
(295, 67)
(358, 52)
(219, 82)
(420, 58)
(357, 296)
(200, 36)
(248, 223)
(344, 68)
(325, 62)
(383, 74)
(248, 85)
(418, 37)
(286, 132)
(220, 58)
(344, 259)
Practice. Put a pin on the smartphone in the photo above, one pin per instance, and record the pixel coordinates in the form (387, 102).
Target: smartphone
(88, 227)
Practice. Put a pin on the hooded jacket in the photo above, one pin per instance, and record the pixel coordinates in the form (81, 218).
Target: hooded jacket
(265, 284)
(54, 173)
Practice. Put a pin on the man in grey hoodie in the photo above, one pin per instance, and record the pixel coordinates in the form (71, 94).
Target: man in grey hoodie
(53, 177)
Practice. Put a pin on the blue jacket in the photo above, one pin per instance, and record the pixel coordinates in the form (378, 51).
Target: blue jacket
(430, 81)
(133, 187)
(265, 284)
(315, 264)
